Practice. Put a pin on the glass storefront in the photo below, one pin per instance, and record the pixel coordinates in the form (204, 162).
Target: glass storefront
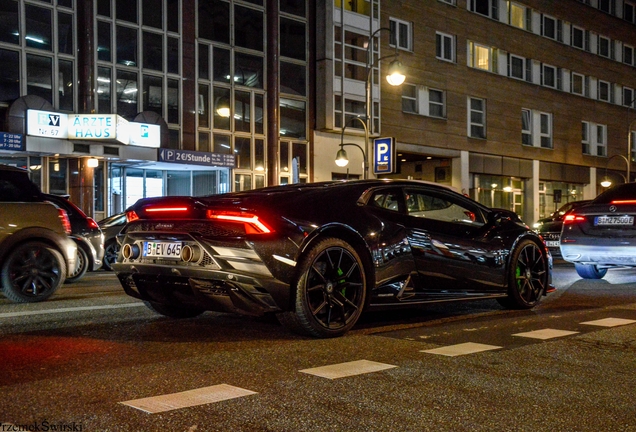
(500, 192)
(553, 195)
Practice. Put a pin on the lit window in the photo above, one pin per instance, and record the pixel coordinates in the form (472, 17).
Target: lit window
(481, 57)
(517, 15)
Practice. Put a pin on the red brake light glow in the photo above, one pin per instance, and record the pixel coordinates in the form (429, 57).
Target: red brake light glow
(166, 209)
(623, 202)
(131, 216)
(65, 220)
(570, 218)
(253, 225)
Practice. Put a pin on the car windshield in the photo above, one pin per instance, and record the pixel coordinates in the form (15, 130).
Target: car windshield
(625, 191)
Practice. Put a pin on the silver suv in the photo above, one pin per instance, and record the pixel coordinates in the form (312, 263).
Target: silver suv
(35, 250)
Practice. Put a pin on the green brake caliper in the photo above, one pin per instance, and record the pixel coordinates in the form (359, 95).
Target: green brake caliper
(341, 281)
(518, 276)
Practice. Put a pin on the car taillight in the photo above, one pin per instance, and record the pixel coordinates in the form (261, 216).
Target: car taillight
(131, 216)
(568, 219)
(252, 223)
(92, 223)
(623, 202)
(166, 209)
(66, 223)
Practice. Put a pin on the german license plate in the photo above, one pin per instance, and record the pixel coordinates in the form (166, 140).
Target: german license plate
(614, 220)
(163, 249)
(552, 243)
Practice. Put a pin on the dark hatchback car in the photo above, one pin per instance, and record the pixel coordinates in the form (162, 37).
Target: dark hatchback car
(111, 226)
(550, 228)
(319, 254)
(86, 233)
(602, 234)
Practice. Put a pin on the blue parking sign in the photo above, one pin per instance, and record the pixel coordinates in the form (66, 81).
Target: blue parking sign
(383, 155)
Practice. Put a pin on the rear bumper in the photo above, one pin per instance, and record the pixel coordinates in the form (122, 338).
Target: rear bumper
(603, 255)
(203, 289)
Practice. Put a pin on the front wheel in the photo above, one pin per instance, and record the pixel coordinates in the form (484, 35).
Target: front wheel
(527, 276)
(173, 311)
(32, 273)
(590, 271)
(330, 290)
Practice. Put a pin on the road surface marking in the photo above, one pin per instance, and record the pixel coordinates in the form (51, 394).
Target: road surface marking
(63, 310)
(461, 349)
(341, 370)
(545, 334)
(609, 322)
(190, 398)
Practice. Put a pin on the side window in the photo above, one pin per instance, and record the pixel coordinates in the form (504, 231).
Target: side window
(421, 204)
(388, 200)
(9, 192)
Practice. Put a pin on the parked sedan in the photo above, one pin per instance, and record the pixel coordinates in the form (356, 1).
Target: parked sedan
(86, 233)
(602, 234)
(550, 228)
(319, 254)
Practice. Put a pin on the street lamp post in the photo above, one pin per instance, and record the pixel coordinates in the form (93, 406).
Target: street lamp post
(395, 77)
(606, 181)
(629, 138)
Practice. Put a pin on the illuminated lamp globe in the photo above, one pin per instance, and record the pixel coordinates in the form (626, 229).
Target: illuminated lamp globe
(396, 76)
(341, 158)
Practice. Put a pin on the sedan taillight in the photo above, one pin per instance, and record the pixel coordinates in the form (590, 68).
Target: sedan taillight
(131, 216)
(66, 223)
(569, 219)
(252, 223)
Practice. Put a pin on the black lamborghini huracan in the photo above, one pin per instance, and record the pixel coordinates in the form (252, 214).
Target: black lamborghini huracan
(318, 254)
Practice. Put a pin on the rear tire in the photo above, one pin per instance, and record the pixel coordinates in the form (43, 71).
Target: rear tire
(330, 290)
(32, 272)
(81, 266)
(111, 250)
(172, 311)
(590, 271)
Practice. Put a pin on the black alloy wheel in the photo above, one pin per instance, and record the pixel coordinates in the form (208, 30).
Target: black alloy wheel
(528, 276)
(81, 266)
(32, 273)
(330, 291)
(111, 250)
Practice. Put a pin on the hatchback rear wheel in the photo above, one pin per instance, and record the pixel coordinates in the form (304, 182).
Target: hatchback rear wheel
(330, 290)
(32, 272)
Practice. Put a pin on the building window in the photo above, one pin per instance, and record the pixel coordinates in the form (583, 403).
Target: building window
(601, 140)
(485, 7)
(629, 98)
(450, 2)
(628, 55)
(476, 118)
(604, 91)
(604, 47)
(445, 46)
(593, 139)
(401, 34)
(549, 27)
(629, 10)
(578, 38)
(526, 127)
(548, 76)
(585, 138)
(517, 15)
(546, 130)
(577, 82)
(607, 6)
(516, 67)
(481, 57)
(423, 100)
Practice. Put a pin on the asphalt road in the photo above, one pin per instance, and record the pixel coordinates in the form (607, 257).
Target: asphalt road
(93, 359)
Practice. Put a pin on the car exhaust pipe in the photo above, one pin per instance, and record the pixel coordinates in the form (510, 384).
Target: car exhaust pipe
(130, 251)
(191, 253)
